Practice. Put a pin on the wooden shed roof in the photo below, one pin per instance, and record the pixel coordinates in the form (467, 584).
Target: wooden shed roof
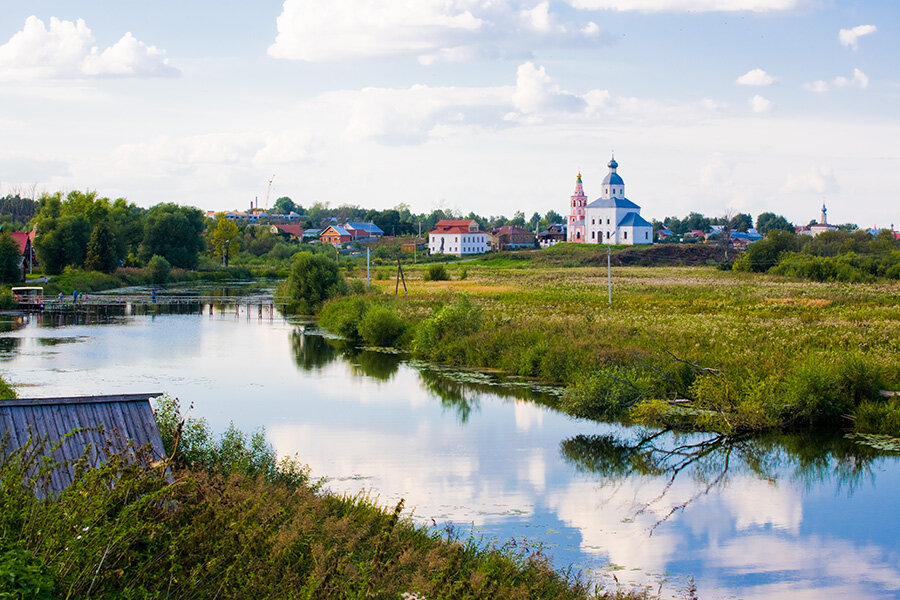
(103, 425)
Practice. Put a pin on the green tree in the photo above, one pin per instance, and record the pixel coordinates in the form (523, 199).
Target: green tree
(764, 254)
(225, 238)
(101, 250)
(552, 217)
(159, 269)
(285, 206)
(61, 242)
(10, 257)
(741, 222)
(126, 222)
(768, 221)
(314, 278)
(173, 232)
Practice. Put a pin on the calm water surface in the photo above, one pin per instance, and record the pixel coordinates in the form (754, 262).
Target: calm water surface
(786, 517)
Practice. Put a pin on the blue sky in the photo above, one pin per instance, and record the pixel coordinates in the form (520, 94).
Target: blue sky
(491, 106)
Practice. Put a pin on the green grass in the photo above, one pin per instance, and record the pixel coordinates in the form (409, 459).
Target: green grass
(745, 351)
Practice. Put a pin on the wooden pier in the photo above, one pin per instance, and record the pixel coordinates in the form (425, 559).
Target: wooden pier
(130, 303)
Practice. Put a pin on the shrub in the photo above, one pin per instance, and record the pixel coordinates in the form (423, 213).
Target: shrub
(343, 316)
(159, 269)
(314, 279)
(436, 273)
(447, 327)
(7, 300)
(191, 444)
(7, 392)
(879, 416)
(380, 326)
(764, 254)
(463, 274)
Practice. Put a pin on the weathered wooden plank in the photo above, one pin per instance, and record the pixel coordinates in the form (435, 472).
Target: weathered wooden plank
(122, 417)
(80, 399)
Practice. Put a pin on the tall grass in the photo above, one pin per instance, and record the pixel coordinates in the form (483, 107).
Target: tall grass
(689, 347)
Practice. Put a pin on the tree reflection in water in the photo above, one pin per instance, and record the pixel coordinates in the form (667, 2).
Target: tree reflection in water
(460, 390)
(311, 351)
(709, 459)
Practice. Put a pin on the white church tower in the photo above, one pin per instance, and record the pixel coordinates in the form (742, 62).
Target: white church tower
(614, 219)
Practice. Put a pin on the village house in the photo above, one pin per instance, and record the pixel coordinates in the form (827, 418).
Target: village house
(611, 218)
(364, 231)
(291, 231)
(335, 235)
(459, 237)
(25, 242)
(510, 237)
(553, 235)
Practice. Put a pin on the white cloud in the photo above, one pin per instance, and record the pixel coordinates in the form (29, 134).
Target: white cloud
(66, 50)
(689, 5)
(758, 104)
(859, 80)
(817, 180)
(756, 77)
(849, 37)
(536, 92)
(711, 105)
(432, 30)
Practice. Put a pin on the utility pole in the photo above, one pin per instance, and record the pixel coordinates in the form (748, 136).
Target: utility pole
(609, 273)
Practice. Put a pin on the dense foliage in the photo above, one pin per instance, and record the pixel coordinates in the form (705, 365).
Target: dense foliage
(840, 255)
(10, 257)
(313, 279)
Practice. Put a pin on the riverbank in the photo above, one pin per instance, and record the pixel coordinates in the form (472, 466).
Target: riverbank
(221, 518)
(94, 281)
(680, 347)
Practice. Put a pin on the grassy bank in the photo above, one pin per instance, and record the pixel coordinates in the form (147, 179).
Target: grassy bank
(685, 347)
(221, 519)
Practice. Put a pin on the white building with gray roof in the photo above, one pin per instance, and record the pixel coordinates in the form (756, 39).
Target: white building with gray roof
(614, 219)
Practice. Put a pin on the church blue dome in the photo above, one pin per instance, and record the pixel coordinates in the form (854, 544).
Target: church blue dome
(613, 179)
(612, 164)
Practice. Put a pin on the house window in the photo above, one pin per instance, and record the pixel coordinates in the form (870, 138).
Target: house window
(593, 235)
(646, 236)
(607, 221)
(593, 221)
(607, 235)
(625, 234)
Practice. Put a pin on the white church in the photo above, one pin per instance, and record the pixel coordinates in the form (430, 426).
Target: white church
(611, 218)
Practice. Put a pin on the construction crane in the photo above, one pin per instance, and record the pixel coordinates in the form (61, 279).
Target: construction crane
(269, 190)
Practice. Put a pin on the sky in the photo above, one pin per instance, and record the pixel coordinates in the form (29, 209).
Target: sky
(491, 106)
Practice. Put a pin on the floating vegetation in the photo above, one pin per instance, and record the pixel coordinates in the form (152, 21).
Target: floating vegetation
(884, 443)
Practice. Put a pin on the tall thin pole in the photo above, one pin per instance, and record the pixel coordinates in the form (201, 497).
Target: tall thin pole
(609, 273)
(367, 267)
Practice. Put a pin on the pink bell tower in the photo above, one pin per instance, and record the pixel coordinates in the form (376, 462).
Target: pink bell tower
(577, 204)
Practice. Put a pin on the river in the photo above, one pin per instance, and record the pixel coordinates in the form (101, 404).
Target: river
(777, 517)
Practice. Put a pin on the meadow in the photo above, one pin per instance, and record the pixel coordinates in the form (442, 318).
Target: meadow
(687, 347)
